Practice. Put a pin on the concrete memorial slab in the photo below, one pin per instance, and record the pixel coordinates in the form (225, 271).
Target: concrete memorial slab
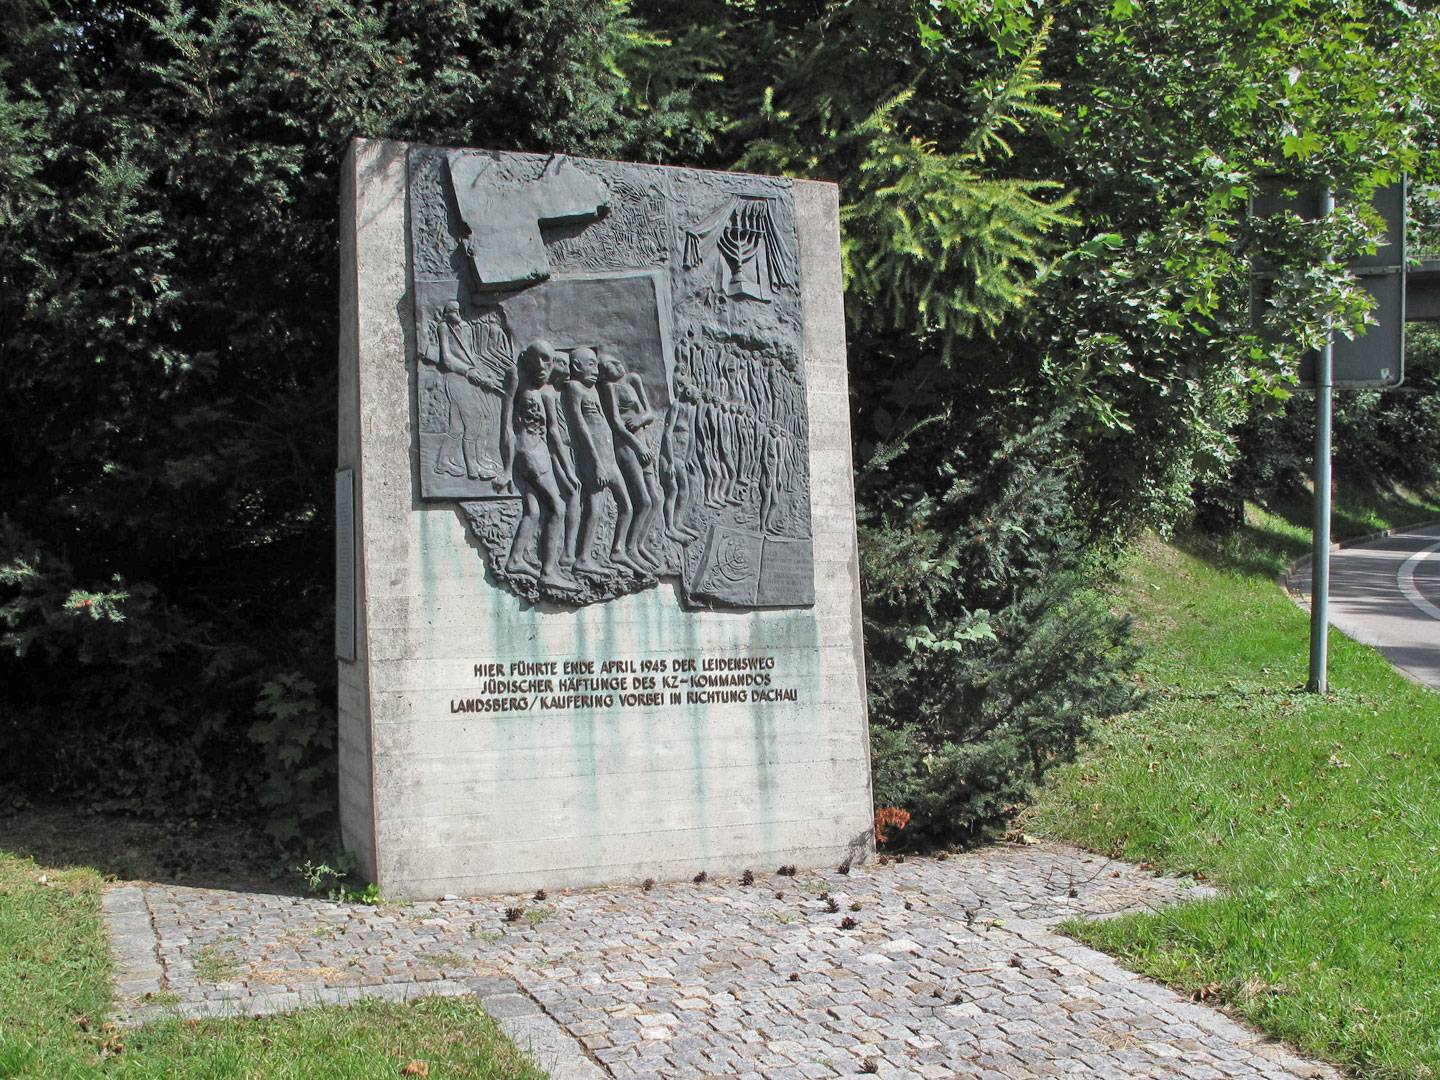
(604, 612)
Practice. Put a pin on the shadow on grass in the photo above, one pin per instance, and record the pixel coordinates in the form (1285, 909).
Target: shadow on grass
(1254, 549)
(1358, 511)
(214, 853)
(1268, 541)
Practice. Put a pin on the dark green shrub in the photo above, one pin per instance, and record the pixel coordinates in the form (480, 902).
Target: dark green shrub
(988, 656)
(168, 319)
(296, 738)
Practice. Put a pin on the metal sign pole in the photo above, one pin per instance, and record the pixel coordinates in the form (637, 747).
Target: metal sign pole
(1320, 562)
(1375, 359)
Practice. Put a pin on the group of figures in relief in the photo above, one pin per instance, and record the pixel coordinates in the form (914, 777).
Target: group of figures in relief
(563, 429)
(746, 410)
(610, 379)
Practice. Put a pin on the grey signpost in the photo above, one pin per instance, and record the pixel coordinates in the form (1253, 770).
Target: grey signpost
(1320, 533)
(1375, 358)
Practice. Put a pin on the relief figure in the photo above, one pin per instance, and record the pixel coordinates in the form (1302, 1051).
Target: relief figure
(562, 454)
(704, 443)
(677, 458)
(637, 444)
(771, 456)
(543, 508)
(714, 457)
(477, 370)
(594, 448)
(749, 463)
(729, 452)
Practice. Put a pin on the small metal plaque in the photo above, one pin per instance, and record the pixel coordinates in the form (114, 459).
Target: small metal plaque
(345, 564)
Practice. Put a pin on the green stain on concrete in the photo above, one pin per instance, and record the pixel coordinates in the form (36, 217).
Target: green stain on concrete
(428, 584)
(694, 719)
(643, 648)
(582, 737)
(647, 625)
(497, 629)
(611, 800)
(795, 636)
(762, 735)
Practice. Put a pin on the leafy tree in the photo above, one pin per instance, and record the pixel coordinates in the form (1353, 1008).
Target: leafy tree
(971, 567)
(1380, 438)
(168, 305)
(1047, 243)
(1172, 112)
(1047, 254)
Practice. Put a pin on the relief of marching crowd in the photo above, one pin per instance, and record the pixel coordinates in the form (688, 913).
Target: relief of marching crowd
(564, 429)
(609, 377)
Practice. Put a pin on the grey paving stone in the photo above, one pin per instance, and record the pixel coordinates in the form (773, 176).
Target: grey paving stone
(506, 1006)
(690, 981)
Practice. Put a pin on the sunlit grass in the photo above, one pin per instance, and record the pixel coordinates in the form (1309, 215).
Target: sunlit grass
(54, 996)
(1320, 820)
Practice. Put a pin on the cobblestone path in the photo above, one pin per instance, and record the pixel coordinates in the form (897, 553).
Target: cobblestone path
(949, 970)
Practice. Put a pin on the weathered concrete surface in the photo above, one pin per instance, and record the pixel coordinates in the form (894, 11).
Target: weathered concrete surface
(436, 802)
(951, 970)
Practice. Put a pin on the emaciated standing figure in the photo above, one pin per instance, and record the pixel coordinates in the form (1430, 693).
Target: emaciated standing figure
(637, 439)
(677, 457)
(595, 465)
(543, 508)
(562, 454)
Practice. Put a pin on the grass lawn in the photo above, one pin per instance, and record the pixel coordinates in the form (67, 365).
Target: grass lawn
(54, 992)
(1320, 820)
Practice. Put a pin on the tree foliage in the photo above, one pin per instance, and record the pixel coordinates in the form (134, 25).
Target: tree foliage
(931, 243)
(168, 313)
(1100, 156)
(1173, 112)
(970, 562)
(1046, 250)
(1380, 438)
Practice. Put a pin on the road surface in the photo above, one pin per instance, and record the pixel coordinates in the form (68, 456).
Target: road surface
(1386, 593)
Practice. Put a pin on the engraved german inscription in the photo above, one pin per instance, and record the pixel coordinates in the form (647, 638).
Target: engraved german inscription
(625, 683)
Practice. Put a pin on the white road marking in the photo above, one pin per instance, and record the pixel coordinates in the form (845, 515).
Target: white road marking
(1405, 578)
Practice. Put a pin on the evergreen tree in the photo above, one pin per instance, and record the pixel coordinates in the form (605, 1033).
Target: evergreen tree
(168, 312)
(970, 564)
